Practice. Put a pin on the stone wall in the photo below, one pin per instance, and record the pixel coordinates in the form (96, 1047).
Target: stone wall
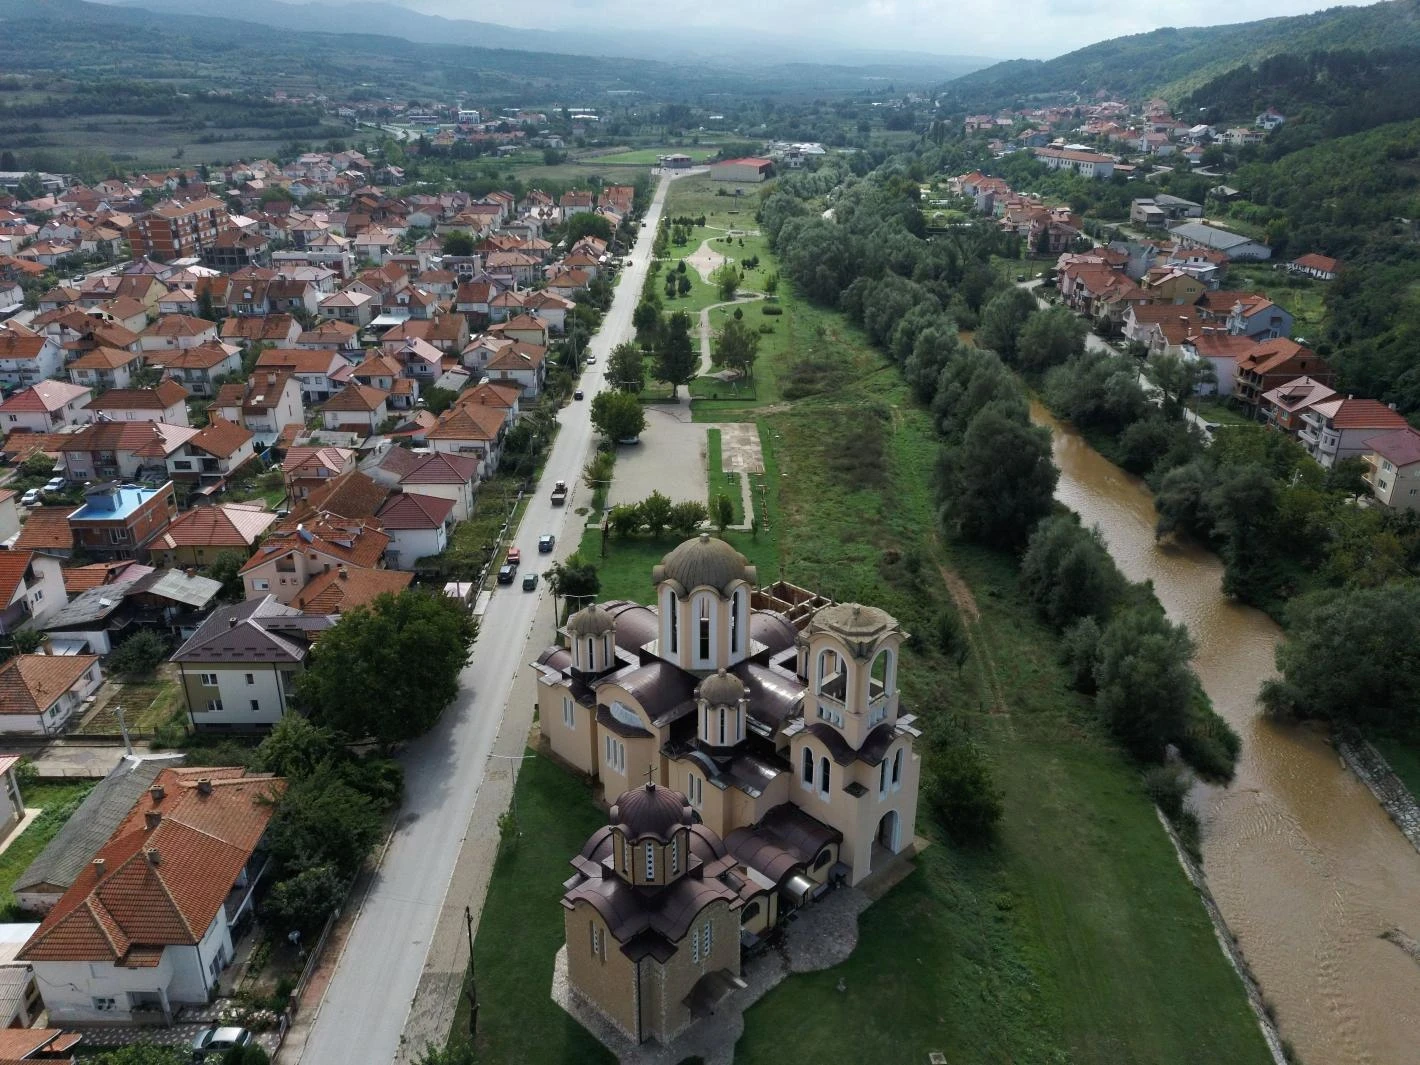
(1362, 758)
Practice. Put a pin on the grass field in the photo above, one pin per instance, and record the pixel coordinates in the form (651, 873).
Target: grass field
(1072, 937)
(146, 705)
(57, 799)
(722, 483)
(648, 156)
(1219, 412)
(1301, 296)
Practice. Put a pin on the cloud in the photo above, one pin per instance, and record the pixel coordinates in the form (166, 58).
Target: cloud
(1022, 28)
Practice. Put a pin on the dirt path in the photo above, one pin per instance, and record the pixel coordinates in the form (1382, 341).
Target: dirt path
(966, 606)
(706, 366)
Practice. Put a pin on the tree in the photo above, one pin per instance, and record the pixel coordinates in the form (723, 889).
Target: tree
(1048, 339)
(1067, 572)
(736, 347)
(626, 369)
(1143, 680)
(1002, 319)
(682, 285)
(323, 820)
(655, 513)
(727, 280)
(724, 511)
(296, 747)
(574, 579)
(437, 400)
(141, 1054)
(390, 667)
(1178, 378)
(958, 788)
(138, 655)
(1351, 656)
(226, 569)
(687, 516)
(301, 903)
(458, 243)
(587, 224)
(618, 415)
(624, 519)
(999, 481)
(675, 356)
(647, 321)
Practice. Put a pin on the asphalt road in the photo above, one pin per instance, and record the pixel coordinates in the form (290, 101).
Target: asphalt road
(364, 1010)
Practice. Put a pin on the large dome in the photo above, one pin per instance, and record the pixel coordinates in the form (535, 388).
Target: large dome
(591, 621)
(651, 811)
(704, 562)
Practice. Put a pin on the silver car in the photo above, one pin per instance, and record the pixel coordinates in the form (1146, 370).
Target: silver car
(211, 1042)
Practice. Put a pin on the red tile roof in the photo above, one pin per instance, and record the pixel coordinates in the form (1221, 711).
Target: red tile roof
(221, 438)
(162, 397)
(46, 529)
(221, 526)
(1401, 447)
(31, 684)
(342, 589)
(43, 396)
(410, 511)
(13, 567)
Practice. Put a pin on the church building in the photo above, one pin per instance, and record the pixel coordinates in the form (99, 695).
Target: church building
(756, 752)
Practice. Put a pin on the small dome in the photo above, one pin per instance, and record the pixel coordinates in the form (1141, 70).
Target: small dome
(854, 622)
(651, 811)
(704, 562)
(722, 689)
(591, 621)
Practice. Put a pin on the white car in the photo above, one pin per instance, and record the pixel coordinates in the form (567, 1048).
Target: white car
(55, 484)
(31, 498)
(591, 360)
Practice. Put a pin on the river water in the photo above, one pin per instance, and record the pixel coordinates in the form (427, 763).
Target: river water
(1307, 868)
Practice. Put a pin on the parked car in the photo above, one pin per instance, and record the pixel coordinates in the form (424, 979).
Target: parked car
(55, 484)
(31, 498)
(505, 573)
(529, 582)
(211, 1043)
(545, 543)
(591, 360)
(515, 555)
(578, 394)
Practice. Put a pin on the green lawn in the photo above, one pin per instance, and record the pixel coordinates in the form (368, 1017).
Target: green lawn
(1221, 412)
(146, 704)
(1301, 296)
(58, 800)
(722, 483)
(648, 156)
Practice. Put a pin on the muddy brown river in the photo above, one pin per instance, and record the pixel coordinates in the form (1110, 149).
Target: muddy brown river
(1307, 868)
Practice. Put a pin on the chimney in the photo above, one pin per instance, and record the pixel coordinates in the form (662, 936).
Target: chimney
(231, 623)
(152, 855)
(98, 864)
(157, 793)
(204, 786)
(153, 818)
(344, 573)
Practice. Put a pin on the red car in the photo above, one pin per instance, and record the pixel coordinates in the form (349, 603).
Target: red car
(515, 555)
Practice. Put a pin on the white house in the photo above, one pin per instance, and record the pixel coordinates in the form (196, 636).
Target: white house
(39, 694)
(27, 358)
(146, 928)
(417, 525)
(31, 585)
(44, 407)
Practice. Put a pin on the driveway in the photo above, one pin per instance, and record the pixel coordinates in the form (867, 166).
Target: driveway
(414, 908)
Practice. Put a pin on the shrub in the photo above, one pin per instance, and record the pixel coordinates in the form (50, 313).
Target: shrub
(1079, 648)
(958, 788)
(139, 654)
(1167, 787)
(771, 309)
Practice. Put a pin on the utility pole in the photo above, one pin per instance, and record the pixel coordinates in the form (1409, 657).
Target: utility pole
(123, 728)
(471, 981)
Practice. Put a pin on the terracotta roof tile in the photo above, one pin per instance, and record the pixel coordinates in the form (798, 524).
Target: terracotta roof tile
(221, 438)
(46, 529)
(30, 684)
(219, 526)
(338, 591)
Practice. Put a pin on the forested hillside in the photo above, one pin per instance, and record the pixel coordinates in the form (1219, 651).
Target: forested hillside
(1172, 62)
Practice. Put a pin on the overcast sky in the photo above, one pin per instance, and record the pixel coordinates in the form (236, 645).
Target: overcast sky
(997, 28)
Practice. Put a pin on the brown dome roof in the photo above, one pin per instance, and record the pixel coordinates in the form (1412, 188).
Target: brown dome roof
(591, 621)
(704, 562)
(722, 689)
(651, 811)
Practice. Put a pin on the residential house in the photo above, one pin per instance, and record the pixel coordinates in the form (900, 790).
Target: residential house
(177, 331)
(96, 620)
(1337, 429)
(198, 537)
(1222, 351)
(27, 358)
(239, 668)
(177, 230)
(1393, 468)
(432, 473)
(320, 371)
(1168, 285)
(551, 309)
(46, 531)
(206, 461)
(343, 589)
(522, 365)
(197, 369)
(44, 407)
(383, 373)
(39, 694)
(1269, 119)
(524, 328)
(9, 516)
(474, 431)
(1317, 267)
(418, 527)
(290, 557)
(1160, 327)
(1259, 318)
(1275, 362)
(353, 496)
(356, 408)
(105, 367)
(1086, 164)
(1285, 406)
(147, 927)
(235, 248)
(350, 306)
(122, 450)
(166, 403)
(307, 469)
(420, 361)
(279, 330)
(31, 585)
(269, 401)
(340, 337)
(121, 520)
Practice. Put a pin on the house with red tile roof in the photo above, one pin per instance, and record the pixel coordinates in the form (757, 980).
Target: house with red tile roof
(473, 431)
(46, 532)
(165, 403)
(44, 407)
(31, 585)
(1393, 468)
(307, 468)
(524, 365)
(268, 402)
(219, 450)
(200, 535)
(26, 357)
(356, 408)
(1257, 317)
(434, 473)
(146, 928)
(1285, 406)
(1338, 429)
(103, 367)
(39, 694)
(343, 589)
(197, 369)
(317, 369)
(278, 329)
(37, 1044)
(1318, 267)
(289, 558)
(126, 450)
(1275, 362)
(417, 525)
(177, 331)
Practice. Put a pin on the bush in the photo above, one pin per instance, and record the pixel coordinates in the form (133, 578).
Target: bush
(771, 309)
(140, 654)
(302, 903)
(1079, 648)
(958, 788)
(1167, 787)
(1068, 573)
